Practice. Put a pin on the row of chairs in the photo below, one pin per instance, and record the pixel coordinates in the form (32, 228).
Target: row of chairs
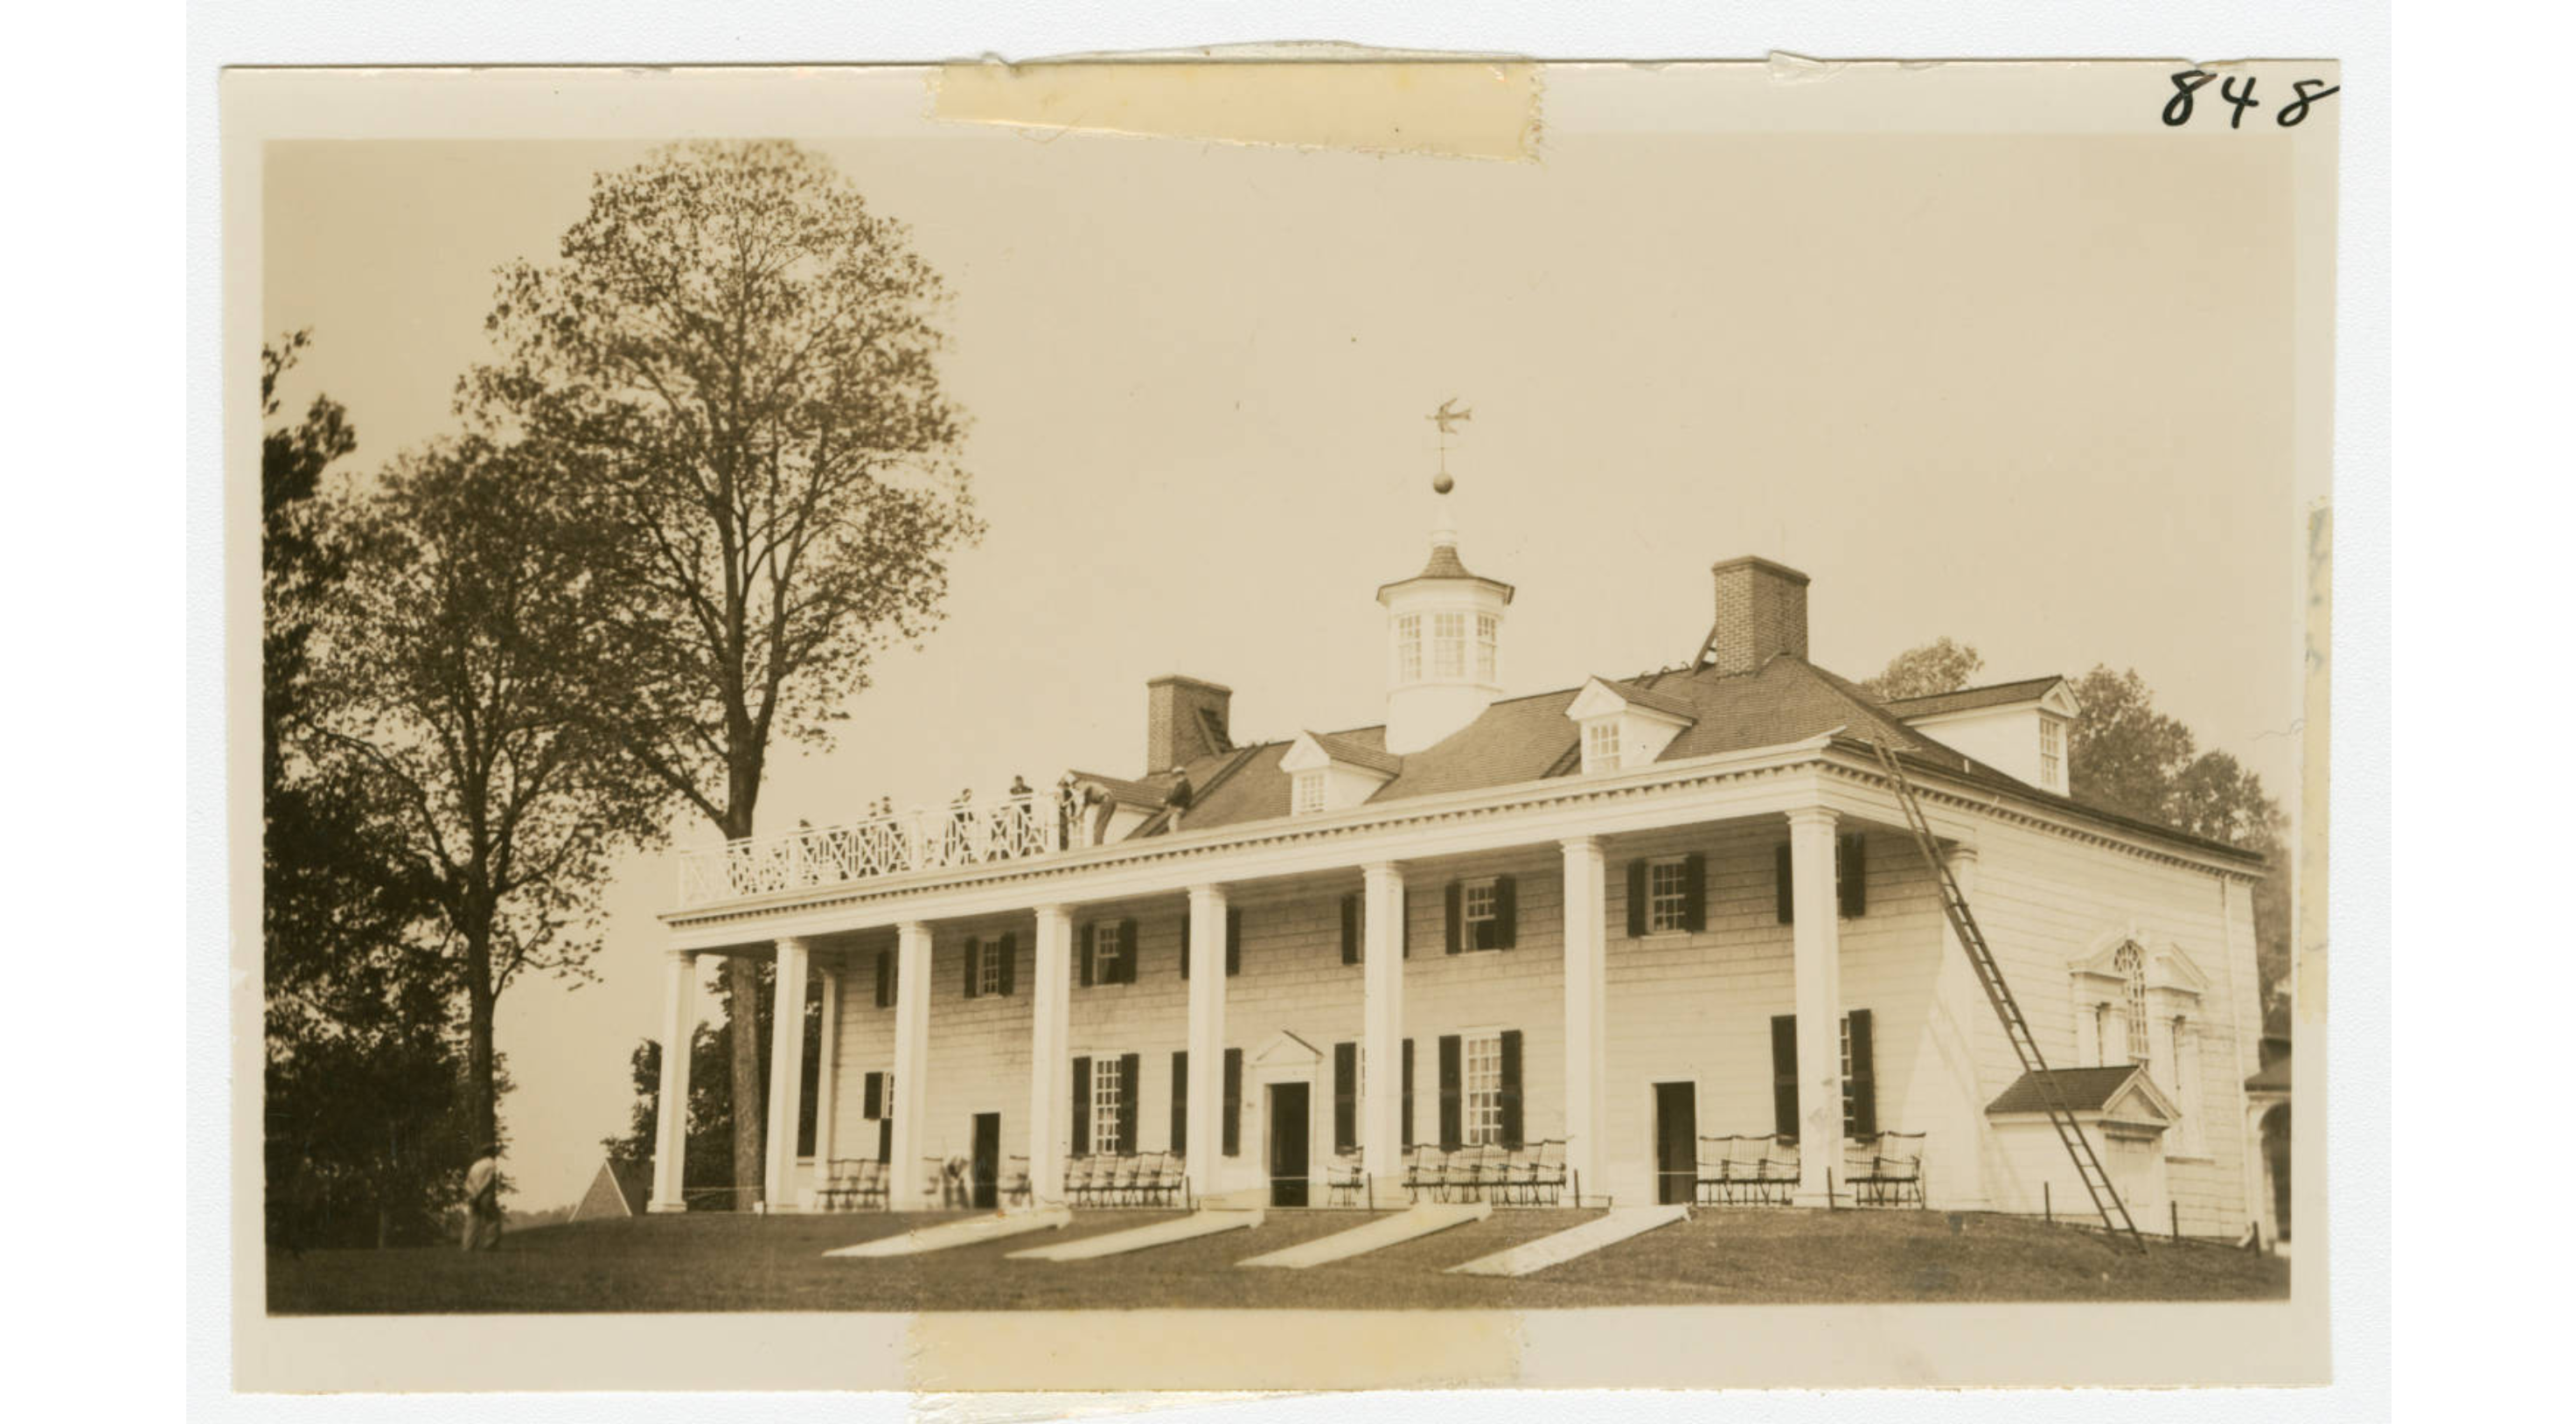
(1882, 1169)
(852, 1183)
(1131, 1179)
(1532, 1174)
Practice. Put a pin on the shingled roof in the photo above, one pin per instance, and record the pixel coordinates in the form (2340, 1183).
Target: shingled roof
(1524, 739)
(2001, 694)
(2083, 1089)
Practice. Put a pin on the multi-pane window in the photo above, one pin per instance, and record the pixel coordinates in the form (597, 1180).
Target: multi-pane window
(1476, 909)
(988, 968)
(1667, 896)
(1310, 792)
(1408, 648)
(1448, 644)
(2052, 753)
(2132, 967)
(1108, 967)
(1108, 1093)
(1484, 1104)
(1601, 744)
(1486, 627)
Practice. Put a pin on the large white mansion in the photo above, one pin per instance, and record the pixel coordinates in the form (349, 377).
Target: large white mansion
(1620, 918)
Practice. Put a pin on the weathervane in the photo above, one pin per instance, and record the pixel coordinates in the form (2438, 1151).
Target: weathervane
(1447, 418)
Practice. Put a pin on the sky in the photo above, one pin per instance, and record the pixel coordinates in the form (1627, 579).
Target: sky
(2033, 393)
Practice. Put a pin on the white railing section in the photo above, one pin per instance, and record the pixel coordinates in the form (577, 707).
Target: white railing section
(1012, 828)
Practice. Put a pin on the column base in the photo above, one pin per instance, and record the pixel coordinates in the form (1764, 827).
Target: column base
(659, 1208)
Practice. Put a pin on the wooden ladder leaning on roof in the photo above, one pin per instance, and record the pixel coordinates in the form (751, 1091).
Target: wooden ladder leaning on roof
(2088, 1167)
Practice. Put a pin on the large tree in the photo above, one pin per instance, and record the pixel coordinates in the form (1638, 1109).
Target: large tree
(442, 677)
(2126, 757)
(361, 1057)
(732, 371)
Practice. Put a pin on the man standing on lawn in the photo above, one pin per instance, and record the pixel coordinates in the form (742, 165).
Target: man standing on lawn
(483, 1199)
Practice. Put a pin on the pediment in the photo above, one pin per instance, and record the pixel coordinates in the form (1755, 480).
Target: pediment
(2140, 1101)
(1600, 699)
(1287, 1050)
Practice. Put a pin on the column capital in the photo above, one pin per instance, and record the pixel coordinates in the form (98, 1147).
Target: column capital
(913, 927)
(794, 944)
(1823, 816)
(1961, 853)
(1212, 890)
(1053, 907)
(1381, 867)
(1585, 845)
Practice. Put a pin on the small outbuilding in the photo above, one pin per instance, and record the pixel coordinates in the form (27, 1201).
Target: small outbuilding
(616, 1191)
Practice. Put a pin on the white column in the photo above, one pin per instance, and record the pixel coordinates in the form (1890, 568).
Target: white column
(786, 1075)
(1382, 1026)
(1586, 1010)
(1954, 1154)
(1818, 958)
(671, 1125)
(827, 1096)
(1049, 1044)
(1207, 1035)
(907, 1171)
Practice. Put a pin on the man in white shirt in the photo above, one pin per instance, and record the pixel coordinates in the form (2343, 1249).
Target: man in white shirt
(483, 1200)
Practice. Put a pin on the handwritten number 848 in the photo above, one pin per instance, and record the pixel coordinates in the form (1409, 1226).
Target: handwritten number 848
(2190, 81)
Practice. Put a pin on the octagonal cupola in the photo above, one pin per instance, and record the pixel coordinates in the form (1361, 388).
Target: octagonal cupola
(1444, 630)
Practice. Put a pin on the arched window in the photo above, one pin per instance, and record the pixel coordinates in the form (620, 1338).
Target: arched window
(2131, 965)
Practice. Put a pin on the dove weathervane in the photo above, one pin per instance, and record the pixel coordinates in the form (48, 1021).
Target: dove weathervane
(1447, 418)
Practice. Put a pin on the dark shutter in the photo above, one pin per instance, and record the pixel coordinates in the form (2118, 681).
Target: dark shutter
(1181, 1101)
(873, 1099)
(1449, 1103)
(1189, 936)
(1087, 936)
(1131, 1093)
(1404, 926)
(1081, 1106)
(1511, 1056)
(1346, 1116)
(1126, 951)
(1780, 877)
(1784, 1075)
(1694, 892)
(1233, 942)
(885, 1139)
(1860, 1085)
(1636, 899)
(1851, 874)
(1507, 912)
(1350, 929)
(1232, 1117)
(1009, 948)
(1404, 1114)
(885, 978)
(1454, 911)
(974, 951)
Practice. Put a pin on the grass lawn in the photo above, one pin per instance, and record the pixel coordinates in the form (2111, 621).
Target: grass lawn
(709, 1262)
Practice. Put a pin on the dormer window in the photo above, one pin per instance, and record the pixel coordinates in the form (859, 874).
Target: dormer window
(1601, 745)
(1310, 792)
(2052, 753)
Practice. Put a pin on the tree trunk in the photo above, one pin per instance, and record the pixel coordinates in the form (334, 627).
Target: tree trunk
(482, 1107)
(742, 977)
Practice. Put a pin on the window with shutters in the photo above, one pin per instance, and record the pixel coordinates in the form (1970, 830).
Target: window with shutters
(1108, 1096)
(1448, 645)
(1667, 895)
(1109, 964)
(988, 967)
(1310, 792)
(1484, 1088)
(1479, 912)
(1408, 648)
(1601, 744)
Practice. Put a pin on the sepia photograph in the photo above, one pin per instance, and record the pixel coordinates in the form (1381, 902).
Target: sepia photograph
(1511, 714)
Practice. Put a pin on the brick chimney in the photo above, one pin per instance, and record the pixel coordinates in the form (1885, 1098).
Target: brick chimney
(1761, 612)
(1184, 719)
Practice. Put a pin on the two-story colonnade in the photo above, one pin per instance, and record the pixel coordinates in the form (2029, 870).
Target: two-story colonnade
(1620, 918)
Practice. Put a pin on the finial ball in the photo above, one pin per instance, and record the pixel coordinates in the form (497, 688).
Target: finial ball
(1441, 483)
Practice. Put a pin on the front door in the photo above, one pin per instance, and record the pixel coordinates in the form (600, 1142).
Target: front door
(1676, 1142)
(987, 1159)
(1288, 1128)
